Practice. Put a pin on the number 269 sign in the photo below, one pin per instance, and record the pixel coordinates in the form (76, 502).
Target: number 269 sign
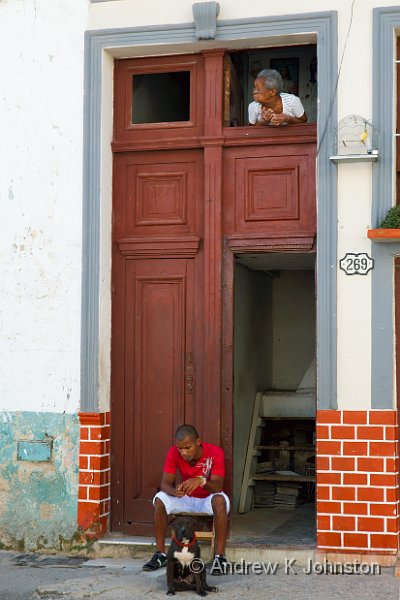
(356, 264)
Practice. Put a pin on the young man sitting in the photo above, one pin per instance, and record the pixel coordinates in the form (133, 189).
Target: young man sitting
(202, 470)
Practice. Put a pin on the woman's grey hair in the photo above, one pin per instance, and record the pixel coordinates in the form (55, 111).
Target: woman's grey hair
(272, 79)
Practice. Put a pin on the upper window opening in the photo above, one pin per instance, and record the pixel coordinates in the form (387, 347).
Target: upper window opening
(161, 97)
(296, 64)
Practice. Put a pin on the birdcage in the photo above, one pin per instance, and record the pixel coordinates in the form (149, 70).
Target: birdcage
(355, 139)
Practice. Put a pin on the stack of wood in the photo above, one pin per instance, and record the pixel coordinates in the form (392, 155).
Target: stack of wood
(264, 467)
(264, 494)
(288, 496)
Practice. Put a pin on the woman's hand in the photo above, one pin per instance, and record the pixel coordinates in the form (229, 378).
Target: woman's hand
(267, 114)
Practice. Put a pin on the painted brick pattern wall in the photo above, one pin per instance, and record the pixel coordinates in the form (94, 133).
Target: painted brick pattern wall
(94, 473)
(357, 481)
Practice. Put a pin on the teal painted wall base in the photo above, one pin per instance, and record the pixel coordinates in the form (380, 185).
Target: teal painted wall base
(38, 490)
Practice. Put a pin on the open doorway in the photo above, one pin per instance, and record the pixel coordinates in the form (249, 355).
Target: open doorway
(274, 398)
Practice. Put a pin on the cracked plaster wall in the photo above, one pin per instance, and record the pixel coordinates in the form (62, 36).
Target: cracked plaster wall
(38, 500)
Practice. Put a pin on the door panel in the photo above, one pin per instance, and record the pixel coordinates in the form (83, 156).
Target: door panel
(271, 189)
(158, 193)
(158, 337)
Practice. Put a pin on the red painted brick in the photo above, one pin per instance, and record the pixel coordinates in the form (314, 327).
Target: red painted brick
(370, 433)
(342, 464)
(322, 463)
(322, 432)
(355, 478)
(328, 416)
(369, 494)
(355, 508)
(93, 448)
(99, 493)
(342, 432)
(89, 418)
(392, 465)
(382, 417)
(355, 540)
(387, 479)
(328, 507)
(94, 493)
(328, 538)
(387, 510)
(392, 495)
(105, 418)
(383, 541)
(356, 417)
(105, 477)
(107, 447)
(355, 448)
(370, 524)
(382, 449)
(323, 522)
(89, 478)
(95, 433)
(84, 433)
(323, 492)
(82, 492)
(103, 525)
(391, 433)
(343, 493)
(370, 464)
(83, 462)
(99, 463)
(324, 447)
(88, 514)
(105, 507)
(393, 525)
(329, 478)
(106, 432)
(343, 523)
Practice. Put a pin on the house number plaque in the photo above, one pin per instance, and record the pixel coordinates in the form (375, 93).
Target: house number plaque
(356, 264)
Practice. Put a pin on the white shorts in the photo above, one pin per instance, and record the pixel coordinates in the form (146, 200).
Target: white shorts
(174, 505)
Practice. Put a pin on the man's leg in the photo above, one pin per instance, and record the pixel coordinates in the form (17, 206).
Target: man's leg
(220, 522)
(160, 524)
(159, 558)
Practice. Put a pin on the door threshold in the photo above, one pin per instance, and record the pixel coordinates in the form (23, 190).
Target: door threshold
(115, 545)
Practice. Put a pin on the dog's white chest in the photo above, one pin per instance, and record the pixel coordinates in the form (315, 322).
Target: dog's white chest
(185, 557)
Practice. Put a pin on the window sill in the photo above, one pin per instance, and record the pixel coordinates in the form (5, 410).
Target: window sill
(385, 236)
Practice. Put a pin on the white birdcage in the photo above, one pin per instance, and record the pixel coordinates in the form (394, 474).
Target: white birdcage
(355, 139)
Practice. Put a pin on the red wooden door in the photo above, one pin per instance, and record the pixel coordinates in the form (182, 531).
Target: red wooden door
(158, 338)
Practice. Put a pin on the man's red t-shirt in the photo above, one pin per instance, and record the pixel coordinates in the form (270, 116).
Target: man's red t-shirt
(210, 463)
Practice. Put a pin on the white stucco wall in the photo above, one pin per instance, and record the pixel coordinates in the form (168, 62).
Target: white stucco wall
(41, 190)
(41, 44)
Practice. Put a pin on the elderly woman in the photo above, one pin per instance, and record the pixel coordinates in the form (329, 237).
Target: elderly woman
(271, 106)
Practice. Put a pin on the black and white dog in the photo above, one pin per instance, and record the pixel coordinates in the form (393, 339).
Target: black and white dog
(185, 569)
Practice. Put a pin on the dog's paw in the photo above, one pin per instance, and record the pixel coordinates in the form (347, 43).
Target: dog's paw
(202, 593)
(213, 589)
(170, 593)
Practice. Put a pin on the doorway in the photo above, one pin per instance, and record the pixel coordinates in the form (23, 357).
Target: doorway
(274, 383)
(188, 193)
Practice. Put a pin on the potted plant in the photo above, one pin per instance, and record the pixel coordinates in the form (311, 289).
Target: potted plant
(389, 229)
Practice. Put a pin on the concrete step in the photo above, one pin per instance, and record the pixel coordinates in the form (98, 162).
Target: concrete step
(113, 546)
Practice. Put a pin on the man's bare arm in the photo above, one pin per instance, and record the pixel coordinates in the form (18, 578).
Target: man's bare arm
(168, 485)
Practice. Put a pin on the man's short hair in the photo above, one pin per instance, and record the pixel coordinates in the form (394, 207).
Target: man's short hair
(186, 431)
